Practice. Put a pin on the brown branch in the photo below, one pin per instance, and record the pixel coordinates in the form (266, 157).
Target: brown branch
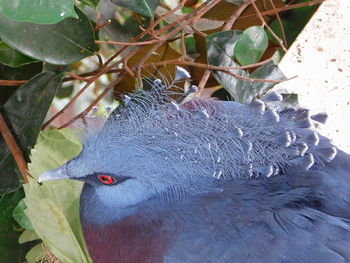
(74, 76)
(12, 82)
(149, 42)
(267, 26)
(76, 96)
(284, 8)
(200, 11)
(229, 23)
(105, 91)
(255, 79)
(14, 149)
(203, 81)
(204, 66)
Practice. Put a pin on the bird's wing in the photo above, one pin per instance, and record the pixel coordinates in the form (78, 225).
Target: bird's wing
(284, 235)
(296, 217)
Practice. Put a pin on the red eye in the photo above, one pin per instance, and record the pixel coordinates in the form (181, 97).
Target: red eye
(106, 179)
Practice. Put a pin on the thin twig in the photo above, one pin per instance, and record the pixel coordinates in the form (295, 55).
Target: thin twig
(203, 81)
(200, 11)
(280, 24)
(104, 92)
(14, 148)
(74, 76)
(4, 82)
(284, 8)
(76, 96)
(229, 23)
(267, 26)
(149, 42)
(204, 66)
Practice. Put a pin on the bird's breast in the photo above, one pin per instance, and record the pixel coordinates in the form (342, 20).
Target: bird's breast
(129, 240)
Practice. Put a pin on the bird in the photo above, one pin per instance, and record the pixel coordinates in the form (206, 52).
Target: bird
(202, 180)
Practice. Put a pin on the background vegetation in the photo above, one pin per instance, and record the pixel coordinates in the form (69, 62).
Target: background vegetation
(60, 59)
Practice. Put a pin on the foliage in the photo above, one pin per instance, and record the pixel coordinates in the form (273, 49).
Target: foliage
(53, 208)
(72, 55)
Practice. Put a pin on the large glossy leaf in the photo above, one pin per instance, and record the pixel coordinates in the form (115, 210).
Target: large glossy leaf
(61, 44)
(251, 45)
(53, 207)
(10, 250)
(25, 112)
(11, 57)
(24, 72)
(268, 71)
(220, 48)
(143, 7)
(38, 11)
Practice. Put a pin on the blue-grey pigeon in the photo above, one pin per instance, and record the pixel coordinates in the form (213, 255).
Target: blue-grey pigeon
(211, 181)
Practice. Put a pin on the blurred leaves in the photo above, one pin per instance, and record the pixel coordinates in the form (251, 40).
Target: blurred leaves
(37, 11)
(25, 112)
(236, 2)
(92, 3)
(220, 48)
(53, 208)
(142, 7)
(10, 250)
(21, 218)
(61, 44)
(293, 22)
(24, 72)
(164, 52)
(202, 24)
(12, 58)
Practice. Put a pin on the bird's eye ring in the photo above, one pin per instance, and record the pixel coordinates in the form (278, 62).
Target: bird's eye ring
(106, 179)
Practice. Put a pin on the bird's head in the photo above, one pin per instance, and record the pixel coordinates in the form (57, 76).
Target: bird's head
(121, 171)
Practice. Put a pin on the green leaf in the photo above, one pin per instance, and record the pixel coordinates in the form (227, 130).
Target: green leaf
(290, 100)
(64, 43)
(143, 7)
(92, 3)
(38, 11)
(10, 250)
(24, 72)
(220, 48)
(21, 218)
(53, 208)
(293, 22)
(251, 45)
(36, 254)
(235, 2)
(268, 71)
(27, 236)
(11, 57)
(25, 112)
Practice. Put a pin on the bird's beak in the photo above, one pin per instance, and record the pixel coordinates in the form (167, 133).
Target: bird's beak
(54, 174)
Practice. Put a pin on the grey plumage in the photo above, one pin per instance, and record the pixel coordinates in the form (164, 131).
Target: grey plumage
(215, 182)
